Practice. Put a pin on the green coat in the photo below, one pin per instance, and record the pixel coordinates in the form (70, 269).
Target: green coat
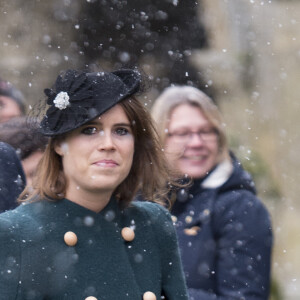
(36, 263)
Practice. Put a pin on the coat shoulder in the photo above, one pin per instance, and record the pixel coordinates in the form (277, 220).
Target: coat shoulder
(26, 210)
(25, 218)
(241, 201)
(150, 208)
(241, 215)
(154, 215)
(152, 211)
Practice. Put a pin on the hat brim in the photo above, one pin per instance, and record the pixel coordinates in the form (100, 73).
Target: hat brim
(99, 92)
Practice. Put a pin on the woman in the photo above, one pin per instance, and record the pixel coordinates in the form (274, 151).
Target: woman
(79, 235)
(12, 102)
(12, 178)
(29, 143)
(224, 231)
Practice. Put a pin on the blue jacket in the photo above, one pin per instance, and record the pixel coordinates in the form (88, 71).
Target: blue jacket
(225, 237)
(12, 178)
(36, 263)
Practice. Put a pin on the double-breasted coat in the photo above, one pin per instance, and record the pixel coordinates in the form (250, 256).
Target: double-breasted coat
(36, 262)
(225, 236)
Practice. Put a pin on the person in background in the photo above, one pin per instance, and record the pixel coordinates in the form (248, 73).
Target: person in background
(79, 235)
(23, 134)
(224, 230)
(12, 178)
(12, 102)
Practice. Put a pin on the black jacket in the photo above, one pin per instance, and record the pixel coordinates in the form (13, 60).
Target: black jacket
(225, 237)
(12, 178)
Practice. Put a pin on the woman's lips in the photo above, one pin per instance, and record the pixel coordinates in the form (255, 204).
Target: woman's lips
(196, 158)
(106, 163)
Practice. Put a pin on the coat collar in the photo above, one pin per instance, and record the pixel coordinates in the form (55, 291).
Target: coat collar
(219, 175)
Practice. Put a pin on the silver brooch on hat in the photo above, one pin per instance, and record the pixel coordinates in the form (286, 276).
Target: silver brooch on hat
(61, 100)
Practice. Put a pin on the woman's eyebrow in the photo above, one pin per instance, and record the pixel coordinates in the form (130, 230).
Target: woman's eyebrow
(92, 123)
(116, 124)
(122, 124)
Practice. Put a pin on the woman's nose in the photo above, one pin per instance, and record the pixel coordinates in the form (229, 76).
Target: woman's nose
(105, 141)
(195, 139)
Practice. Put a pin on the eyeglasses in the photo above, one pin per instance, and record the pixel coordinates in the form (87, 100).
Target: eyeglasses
(206, 135)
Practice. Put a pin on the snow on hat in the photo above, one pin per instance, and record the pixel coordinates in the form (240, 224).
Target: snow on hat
(79, 97)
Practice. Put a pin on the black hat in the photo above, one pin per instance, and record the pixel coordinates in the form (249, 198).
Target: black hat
(8, 90)
(79, 97)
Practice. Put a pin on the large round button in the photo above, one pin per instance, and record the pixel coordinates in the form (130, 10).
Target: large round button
(90, 298)
(188, 219)
(149, 296)
(174, 219)
(127, 234)
(192, 231)
(70, 238)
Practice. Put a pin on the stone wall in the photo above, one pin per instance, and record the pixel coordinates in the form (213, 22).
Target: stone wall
(36, 43)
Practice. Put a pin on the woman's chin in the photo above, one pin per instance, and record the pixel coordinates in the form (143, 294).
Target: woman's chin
(194, 170)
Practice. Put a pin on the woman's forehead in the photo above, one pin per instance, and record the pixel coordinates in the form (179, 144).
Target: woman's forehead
(187, 115)
(114, 114)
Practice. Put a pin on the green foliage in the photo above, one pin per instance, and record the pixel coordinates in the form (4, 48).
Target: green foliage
(262, 176)
(254, 163)
(275, 291)
(266, 186)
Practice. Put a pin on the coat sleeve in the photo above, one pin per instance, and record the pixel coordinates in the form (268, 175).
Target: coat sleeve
(9, 259)
(173, 281)
(12, 178)
(243, 233)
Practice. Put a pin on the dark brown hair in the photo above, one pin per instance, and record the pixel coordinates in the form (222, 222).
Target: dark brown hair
(23, 135)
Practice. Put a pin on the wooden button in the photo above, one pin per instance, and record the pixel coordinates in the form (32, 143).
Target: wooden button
(149, 296)
(188, 219)
(192, 231)
(127, 234)
(70, 238)
(90, 298)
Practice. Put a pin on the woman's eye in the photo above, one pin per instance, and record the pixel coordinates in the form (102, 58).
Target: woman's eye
(89, 130)
(122, 131)
(183, 133)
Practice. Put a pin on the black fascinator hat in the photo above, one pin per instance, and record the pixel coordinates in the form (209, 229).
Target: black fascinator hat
(79, 97)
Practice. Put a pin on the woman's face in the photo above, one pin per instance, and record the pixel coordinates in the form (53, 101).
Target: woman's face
(8, 109)
(98, 156)
(192, 142)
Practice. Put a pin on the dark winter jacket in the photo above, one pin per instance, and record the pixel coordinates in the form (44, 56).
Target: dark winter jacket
(12, 178)
(36, 263)
(224, 234)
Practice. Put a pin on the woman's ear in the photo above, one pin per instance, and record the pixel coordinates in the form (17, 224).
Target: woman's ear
(58, 148)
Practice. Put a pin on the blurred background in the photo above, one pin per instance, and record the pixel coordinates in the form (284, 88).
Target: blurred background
(245, 54)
